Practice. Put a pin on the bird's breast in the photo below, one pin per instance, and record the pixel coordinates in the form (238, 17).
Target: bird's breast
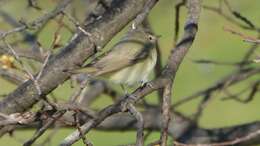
(136, 73)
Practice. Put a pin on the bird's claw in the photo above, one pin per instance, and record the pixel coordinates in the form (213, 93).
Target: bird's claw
(147, 84)
(150, 85)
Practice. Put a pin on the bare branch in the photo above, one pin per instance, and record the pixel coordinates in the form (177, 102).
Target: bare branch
(140, 124)
(231, 79)
(40, 131)
(40, 21)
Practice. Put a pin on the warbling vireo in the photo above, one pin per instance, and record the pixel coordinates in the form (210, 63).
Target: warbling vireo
(129, 61)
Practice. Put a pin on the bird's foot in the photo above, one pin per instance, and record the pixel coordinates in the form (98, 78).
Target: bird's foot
(147, 84)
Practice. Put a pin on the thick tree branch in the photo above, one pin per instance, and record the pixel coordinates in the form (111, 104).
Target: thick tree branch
(179, 126)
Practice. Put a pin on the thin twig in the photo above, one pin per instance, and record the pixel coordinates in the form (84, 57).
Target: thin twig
(231, 79)
(84, 139)
(142, 16)
(40, 21)
(177, 19)
(24, 67)
(39, 132)
(140, 124)
(246, 38)
(226, 143)
(166, 107)
(43, 65)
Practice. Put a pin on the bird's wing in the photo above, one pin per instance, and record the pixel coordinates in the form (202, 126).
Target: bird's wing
(121, 55)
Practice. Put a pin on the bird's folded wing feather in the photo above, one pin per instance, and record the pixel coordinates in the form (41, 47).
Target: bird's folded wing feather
(120, 56)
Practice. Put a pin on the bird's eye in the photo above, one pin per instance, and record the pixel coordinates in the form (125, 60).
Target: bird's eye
(150, 37)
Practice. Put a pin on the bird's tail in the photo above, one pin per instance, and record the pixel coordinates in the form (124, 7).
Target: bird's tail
(86, 70)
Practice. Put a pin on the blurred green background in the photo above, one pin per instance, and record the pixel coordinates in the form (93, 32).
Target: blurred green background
(212, 42)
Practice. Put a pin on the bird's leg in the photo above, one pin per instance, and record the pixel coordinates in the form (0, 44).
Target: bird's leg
(144, 83)
(124, 89)
(127, 95)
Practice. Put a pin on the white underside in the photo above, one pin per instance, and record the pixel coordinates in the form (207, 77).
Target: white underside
(137, 73)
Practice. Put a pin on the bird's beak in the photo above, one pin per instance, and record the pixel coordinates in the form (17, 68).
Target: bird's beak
(158, 36)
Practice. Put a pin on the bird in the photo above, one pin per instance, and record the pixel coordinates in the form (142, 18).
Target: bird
(128, 62)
